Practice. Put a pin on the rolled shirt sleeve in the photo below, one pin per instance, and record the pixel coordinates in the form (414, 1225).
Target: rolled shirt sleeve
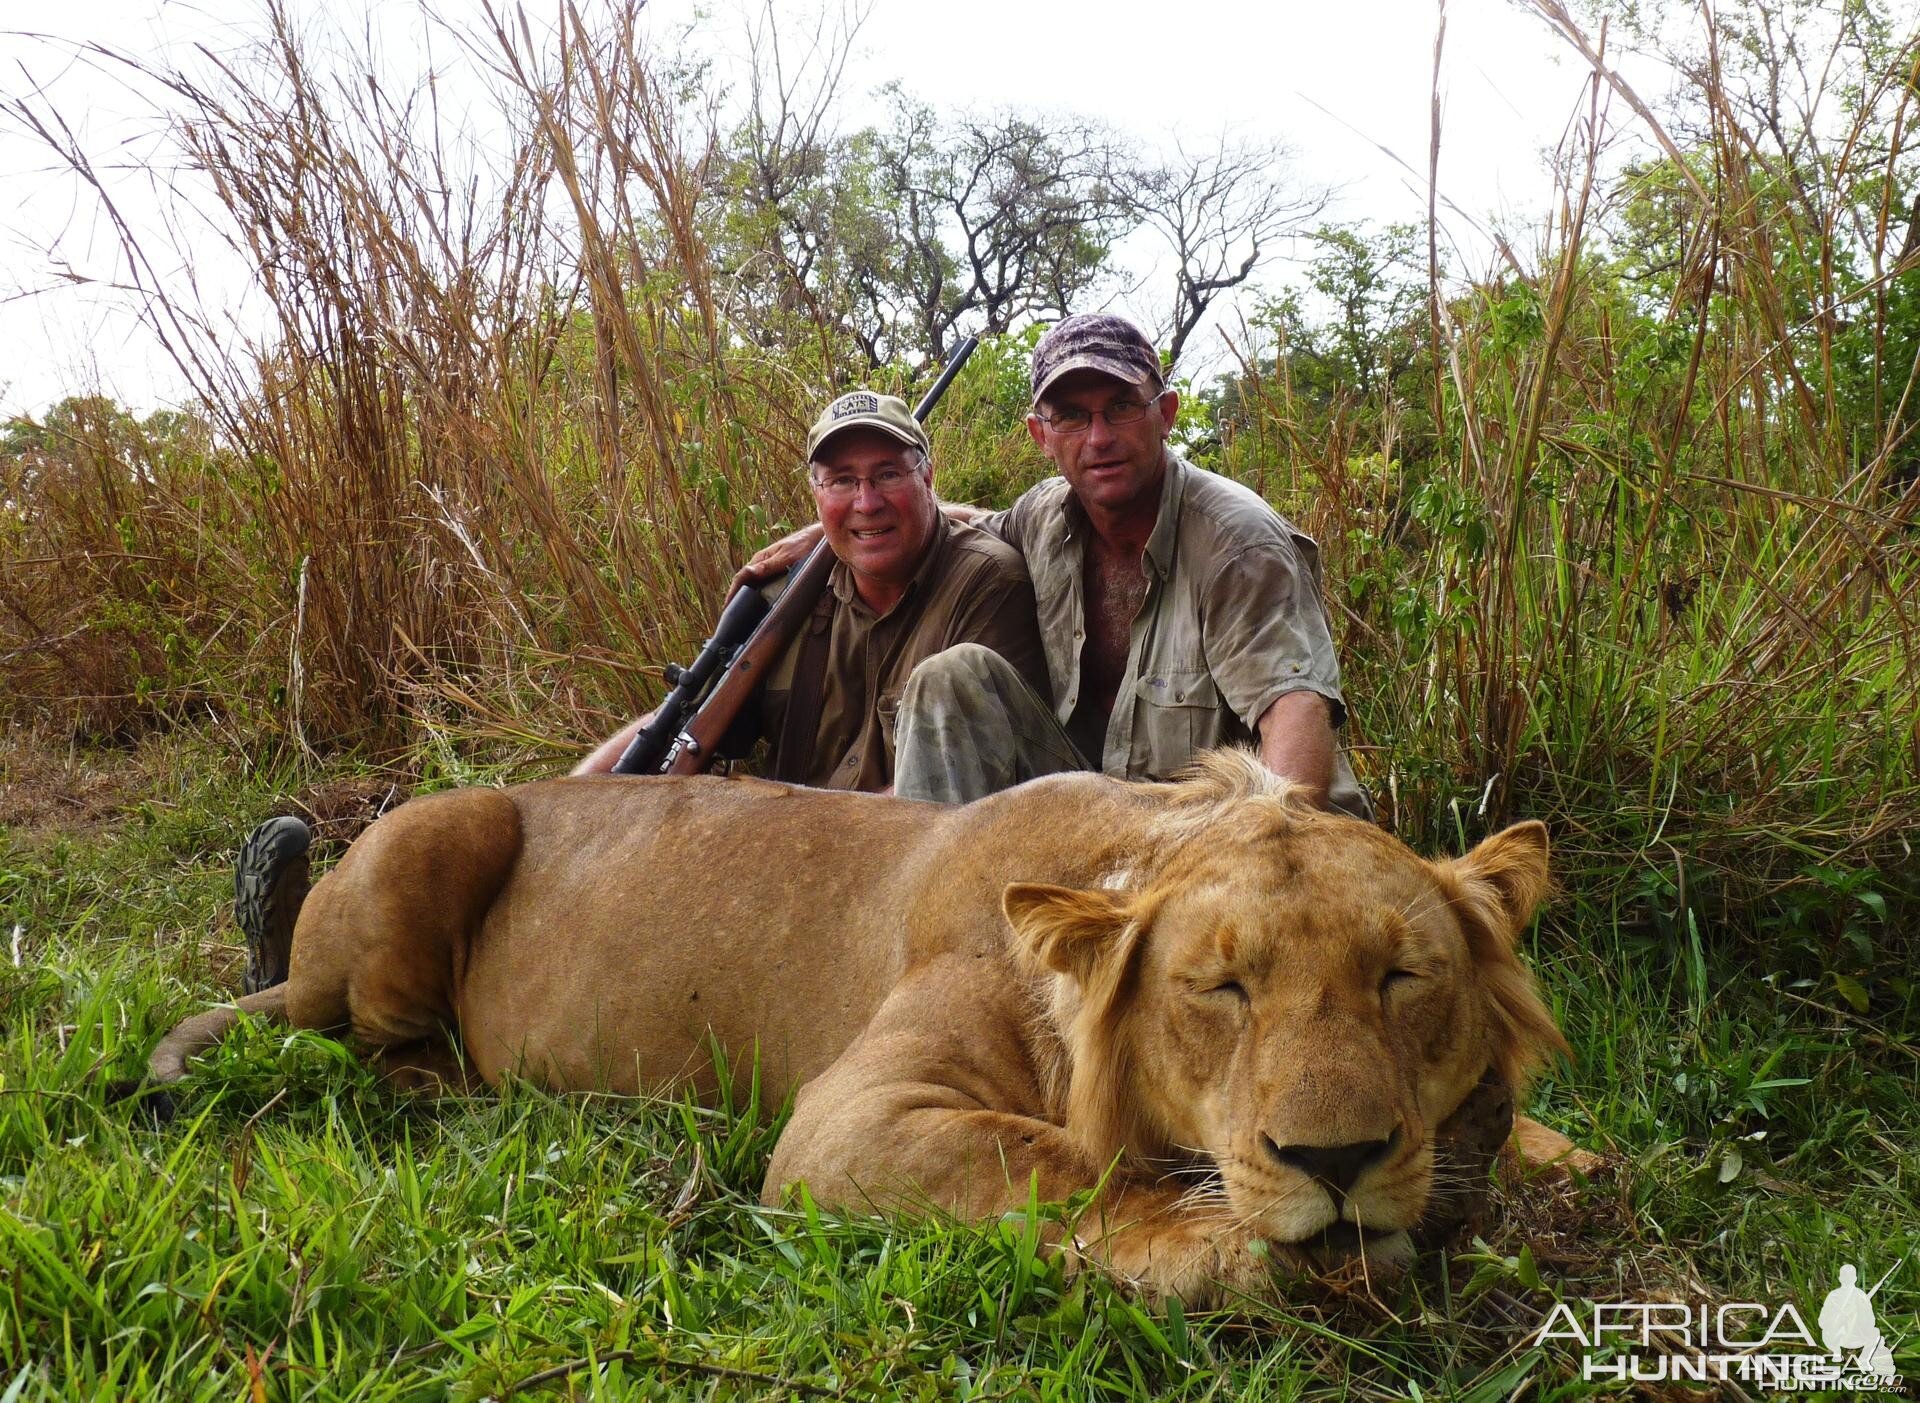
(1005, 524)
(1264, 631)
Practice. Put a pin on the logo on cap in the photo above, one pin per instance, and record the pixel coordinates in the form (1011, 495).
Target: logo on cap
(856, 403)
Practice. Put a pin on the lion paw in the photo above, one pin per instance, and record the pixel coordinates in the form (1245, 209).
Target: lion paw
(1535, 1149)
(1202, 1266)
(1210, 1269)
(1372, 1263)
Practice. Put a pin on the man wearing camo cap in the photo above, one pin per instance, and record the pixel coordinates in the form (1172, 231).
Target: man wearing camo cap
(1179, 611)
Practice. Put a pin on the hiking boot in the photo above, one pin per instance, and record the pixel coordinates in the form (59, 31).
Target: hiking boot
(269, 883)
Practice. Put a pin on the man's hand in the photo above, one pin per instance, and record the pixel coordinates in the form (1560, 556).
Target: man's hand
(1296, 741)
(773, 560)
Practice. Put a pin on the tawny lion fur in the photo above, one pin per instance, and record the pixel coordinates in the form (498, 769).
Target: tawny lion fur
(1181, 993)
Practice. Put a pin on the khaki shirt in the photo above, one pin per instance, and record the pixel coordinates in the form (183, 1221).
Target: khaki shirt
(1233, 619)
(971, 588)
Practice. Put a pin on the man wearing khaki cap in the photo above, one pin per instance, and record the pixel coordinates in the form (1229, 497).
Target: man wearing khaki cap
(908, 583)
(1178, 610)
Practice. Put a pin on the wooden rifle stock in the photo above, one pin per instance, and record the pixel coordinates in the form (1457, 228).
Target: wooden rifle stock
(697, 746)
(669, 748)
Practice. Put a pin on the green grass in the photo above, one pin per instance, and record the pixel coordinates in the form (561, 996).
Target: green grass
(1628, 546)
(298, 1222)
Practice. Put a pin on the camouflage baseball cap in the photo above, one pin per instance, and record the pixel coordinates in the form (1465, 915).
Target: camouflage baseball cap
(863, 409)
(1095, 341)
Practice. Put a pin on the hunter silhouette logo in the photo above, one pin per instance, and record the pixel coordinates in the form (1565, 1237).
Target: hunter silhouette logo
(1847, 1325)
(1768, 1347)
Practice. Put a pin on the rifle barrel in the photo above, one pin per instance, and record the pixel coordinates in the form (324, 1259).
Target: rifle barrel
(939, 386)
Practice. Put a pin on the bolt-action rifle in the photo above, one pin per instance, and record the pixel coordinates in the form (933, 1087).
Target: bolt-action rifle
(684, 736)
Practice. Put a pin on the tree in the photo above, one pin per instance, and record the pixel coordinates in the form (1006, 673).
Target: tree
(1219, 211)
(905, 234)
(792, 227)
(1366, 329)
(1791, 188)
(996, 219)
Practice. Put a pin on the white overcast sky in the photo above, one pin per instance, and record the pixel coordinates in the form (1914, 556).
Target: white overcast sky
(1337, 82)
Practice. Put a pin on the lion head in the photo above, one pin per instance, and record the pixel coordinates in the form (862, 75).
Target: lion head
(1288, 999)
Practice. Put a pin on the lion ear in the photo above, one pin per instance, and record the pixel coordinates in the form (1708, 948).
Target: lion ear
(1500, 885)
(1064, 929)
(1506, 876)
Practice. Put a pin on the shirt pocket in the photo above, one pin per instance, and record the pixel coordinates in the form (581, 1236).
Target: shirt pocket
(1180, 714)
(887, 710)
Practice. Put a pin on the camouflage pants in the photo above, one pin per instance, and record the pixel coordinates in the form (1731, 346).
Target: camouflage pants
(970, 726)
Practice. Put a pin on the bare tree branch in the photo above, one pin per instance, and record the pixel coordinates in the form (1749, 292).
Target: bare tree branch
(1219, 211)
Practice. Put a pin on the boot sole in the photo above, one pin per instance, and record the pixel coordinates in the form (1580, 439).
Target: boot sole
(269, 883)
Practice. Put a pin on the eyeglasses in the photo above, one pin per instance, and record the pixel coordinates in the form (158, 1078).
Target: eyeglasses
(846, 486)
(1118, 415)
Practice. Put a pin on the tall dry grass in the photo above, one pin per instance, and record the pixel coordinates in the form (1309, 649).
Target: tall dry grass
(502, 442)
(1655, 580)
(498, 442)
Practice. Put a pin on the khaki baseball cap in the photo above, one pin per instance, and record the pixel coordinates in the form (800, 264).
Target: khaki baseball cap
(1095, 341)
(863, 409)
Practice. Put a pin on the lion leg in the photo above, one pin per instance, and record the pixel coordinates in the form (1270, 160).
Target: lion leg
(432, 1067)
(923, 1110)
(863, 1143)
(1534, 1148)
(383, 941)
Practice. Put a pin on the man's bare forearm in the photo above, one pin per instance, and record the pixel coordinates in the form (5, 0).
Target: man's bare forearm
(1297, 741)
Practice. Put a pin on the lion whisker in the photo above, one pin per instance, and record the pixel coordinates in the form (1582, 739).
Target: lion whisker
(1418, 905)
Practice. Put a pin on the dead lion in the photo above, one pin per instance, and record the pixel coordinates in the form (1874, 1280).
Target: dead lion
(1242, 1018)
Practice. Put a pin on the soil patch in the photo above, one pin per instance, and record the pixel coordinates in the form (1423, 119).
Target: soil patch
(339, 810)
(45, 791)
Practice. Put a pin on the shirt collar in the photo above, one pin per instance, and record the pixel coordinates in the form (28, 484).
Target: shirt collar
(1166, 526)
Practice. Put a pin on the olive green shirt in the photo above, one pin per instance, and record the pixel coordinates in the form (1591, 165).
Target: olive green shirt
(1232, 620)
(971, 588)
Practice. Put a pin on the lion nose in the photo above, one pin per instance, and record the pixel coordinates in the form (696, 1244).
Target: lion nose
(1336, 1166)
